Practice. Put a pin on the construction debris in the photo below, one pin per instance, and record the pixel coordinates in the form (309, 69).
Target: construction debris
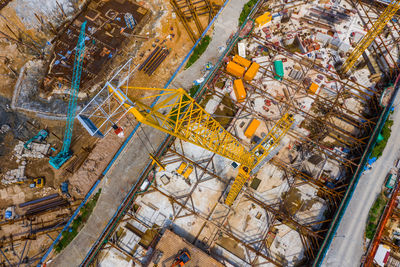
(35, 150)
(16, 175)
(4, 128)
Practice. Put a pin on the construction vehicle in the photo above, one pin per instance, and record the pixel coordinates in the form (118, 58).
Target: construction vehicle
(41, 136)
(33, 182)
(372, 33)
(179, 115)
(64, 188)
(181, 168)
(182, 258)
(37, 183)
(65, 153)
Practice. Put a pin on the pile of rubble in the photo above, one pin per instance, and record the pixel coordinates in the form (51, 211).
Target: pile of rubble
(16, 175)
(4, 128)
(35, 150)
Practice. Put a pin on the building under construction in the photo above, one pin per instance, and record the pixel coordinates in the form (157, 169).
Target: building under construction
(286, 61)
(260, 157)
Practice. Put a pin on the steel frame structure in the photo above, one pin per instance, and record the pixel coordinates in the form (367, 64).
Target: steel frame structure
(219, 223)
(188, 10)
(379, 47)
(336, 107)
(372, 33)
(105, 110)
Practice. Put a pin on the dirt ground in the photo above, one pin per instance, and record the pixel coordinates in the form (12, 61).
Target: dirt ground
(163, 29)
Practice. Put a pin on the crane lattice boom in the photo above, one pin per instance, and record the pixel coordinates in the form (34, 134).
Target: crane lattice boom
(186, 119)
(65, 153)
(372, 33)
(178, 114)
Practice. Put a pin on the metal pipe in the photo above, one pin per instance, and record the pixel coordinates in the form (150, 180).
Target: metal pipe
(154, 58)
(159, 63)
(148, 58)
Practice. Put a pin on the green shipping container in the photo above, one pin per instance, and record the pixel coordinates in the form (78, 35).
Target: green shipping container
(278, 65)
(391, 181)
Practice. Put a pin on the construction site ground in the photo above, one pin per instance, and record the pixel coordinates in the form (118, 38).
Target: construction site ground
(133, 158)
(93, 154)
(282, 216)
(170, 243)
(24, 127)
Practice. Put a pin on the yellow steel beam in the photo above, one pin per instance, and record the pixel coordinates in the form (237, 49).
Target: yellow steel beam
(178, 114)
(260, 151)
(272, 139)
(372, 33)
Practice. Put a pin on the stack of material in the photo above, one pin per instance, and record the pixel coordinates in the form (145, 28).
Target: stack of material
(296, 74)
(21, 153)
(4, 128)
(15, 176)
(154, 60)
(35, 150)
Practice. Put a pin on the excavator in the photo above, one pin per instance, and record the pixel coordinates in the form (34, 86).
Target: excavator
(34, 182)
(181, 258)
(41, 136)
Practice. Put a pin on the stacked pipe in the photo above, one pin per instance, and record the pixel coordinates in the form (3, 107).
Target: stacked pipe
(154, 60)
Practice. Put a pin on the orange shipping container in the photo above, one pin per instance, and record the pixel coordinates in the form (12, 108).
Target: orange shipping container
(252, 128)
(235, 69)
(313, 88)
(241, 61)
(251, 72)
(239, 90)
(263, 19)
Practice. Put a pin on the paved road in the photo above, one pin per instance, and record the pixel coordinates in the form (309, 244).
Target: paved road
(126, 170)
(347, 247)
(225, 25)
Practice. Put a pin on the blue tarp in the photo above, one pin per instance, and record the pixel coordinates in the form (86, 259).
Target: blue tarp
(8, 214)
(371, 160)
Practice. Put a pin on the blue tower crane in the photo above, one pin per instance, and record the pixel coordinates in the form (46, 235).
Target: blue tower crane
(65, 152)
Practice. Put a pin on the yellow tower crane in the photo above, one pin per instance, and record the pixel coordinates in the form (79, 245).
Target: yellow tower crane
(372, 33)
(178, 114)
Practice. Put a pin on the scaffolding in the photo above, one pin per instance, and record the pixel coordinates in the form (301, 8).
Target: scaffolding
(372, 33)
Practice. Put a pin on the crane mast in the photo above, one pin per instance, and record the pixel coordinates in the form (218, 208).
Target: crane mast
(178, 114)
(65, 153)
(372, 33)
